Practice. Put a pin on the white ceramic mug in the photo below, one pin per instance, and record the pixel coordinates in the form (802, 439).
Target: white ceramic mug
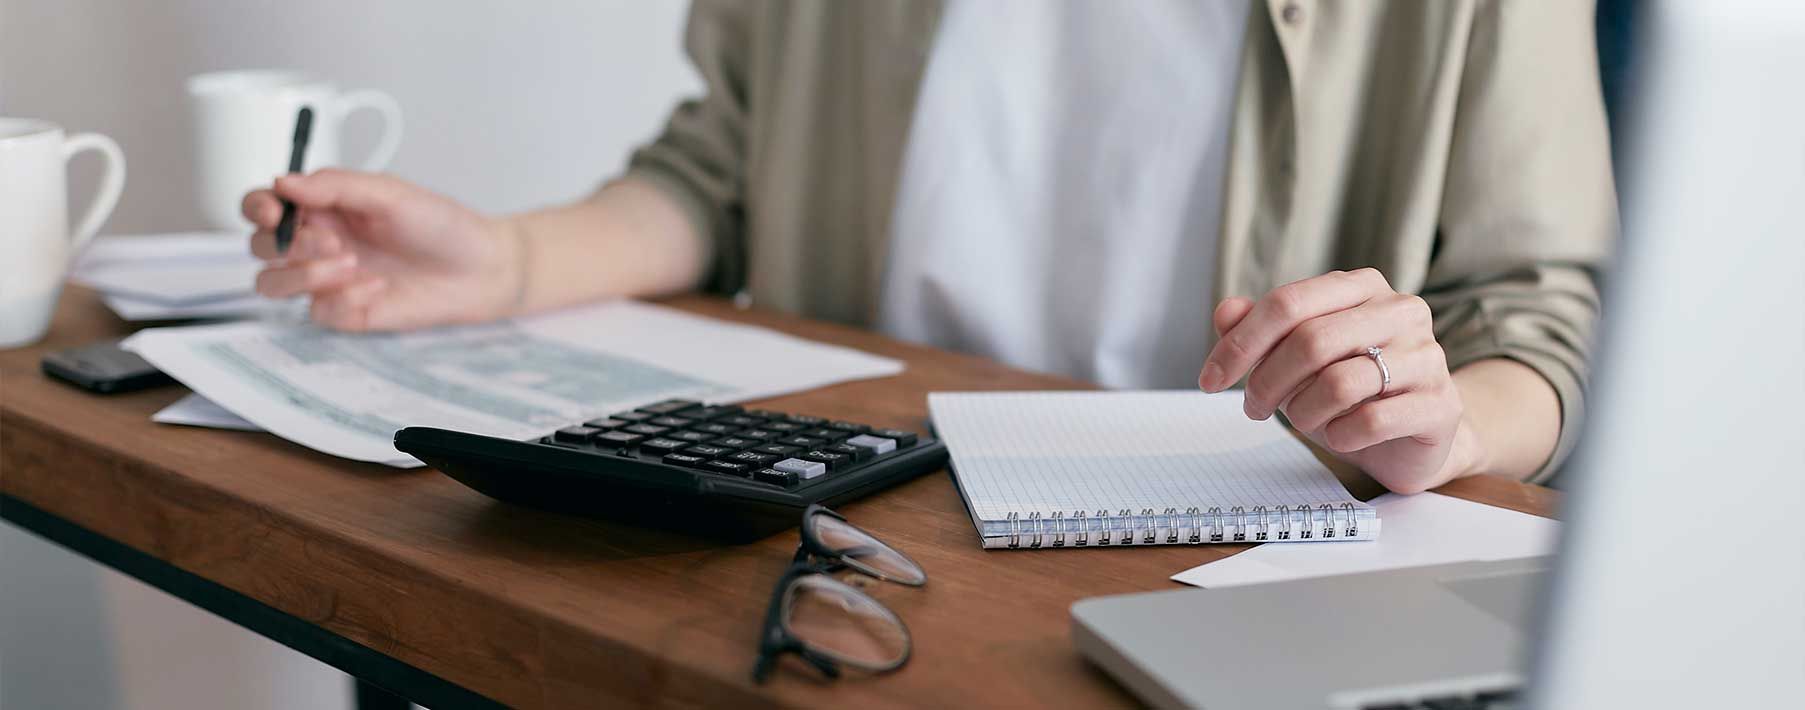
(244, 126)
(36, 243)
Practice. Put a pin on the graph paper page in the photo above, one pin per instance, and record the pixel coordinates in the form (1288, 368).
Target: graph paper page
(1048, 452)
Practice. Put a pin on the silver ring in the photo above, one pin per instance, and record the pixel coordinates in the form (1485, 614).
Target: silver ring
(1378, 355)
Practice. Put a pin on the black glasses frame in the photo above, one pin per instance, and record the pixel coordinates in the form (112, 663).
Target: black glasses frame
(812, 558)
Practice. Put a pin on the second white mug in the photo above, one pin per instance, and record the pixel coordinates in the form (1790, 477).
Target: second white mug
(244, 123)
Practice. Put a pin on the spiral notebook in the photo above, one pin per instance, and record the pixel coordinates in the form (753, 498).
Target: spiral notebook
(1076, 469)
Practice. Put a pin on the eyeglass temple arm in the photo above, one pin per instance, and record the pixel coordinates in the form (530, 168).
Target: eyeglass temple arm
(762, 669)
(767, 660)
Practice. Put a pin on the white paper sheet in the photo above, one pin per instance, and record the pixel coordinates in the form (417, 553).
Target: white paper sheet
(134, 309)
(169, 269)
(1423, 529)
(195, 410)
(347, 394)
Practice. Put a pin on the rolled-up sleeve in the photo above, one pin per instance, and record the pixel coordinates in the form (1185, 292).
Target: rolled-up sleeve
(1529, 212)
(700, 157)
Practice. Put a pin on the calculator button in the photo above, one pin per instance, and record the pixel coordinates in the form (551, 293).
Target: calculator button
(735, 442)
(830, 459)
(774, 477)
(849, 427)
(660, 446)
(669, 406)
(575, 434)
(685, 460)
(904, 439)
(806, 420)
(670, 421)
(606, 423)
(694, 437)
(778, 449)
(783, 427)
(741, 420)
(759, 434)
(616, 438)
(708, 450)
(646, 429)
(856, 453)
(631, 416)
(877, 444)
(714, 412)
(802, 441)
(826, 434)
(715, 429)
(754, 458)
(734, 468)
(804, 469)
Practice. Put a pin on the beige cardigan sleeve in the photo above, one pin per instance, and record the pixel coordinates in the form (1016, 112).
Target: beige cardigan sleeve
(700, 157)
(1529, 210)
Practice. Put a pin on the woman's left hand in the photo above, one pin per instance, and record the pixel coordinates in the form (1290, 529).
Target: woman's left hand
(1305, 344)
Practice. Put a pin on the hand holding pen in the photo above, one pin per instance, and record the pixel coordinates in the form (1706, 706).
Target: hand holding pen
(285, 229)
(376, 253)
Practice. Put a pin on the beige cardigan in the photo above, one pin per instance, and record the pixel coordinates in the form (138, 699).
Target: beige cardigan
(1458, 146)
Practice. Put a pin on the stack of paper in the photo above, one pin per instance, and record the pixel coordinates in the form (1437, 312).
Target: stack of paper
(172, 276)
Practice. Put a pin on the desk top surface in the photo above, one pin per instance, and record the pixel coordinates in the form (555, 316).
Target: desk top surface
(541, 610)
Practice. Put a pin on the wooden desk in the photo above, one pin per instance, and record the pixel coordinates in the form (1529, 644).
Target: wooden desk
(412, 581)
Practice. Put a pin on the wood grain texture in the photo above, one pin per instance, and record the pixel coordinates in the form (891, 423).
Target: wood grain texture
(542, 610)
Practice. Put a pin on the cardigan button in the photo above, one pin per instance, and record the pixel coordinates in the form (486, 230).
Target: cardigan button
(1292, 14)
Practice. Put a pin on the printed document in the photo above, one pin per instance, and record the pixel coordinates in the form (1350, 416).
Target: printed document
(347, 394)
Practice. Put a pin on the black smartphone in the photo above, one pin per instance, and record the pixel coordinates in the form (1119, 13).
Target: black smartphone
(103, 368)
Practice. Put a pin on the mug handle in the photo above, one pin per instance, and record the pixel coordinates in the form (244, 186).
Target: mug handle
(111, 183)
(383, 104)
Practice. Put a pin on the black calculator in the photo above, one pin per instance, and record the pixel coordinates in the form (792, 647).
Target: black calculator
(715, 470)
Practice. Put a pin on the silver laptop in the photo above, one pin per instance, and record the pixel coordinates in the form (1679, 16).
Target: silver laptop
(1681, 578)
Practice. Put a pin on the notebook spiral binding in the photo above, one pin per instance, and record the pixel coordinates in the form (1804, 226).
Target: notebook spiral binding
(1192, 525)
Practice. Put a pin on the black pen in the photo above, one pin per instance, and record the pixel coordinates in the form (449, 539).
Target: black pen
(285, 229)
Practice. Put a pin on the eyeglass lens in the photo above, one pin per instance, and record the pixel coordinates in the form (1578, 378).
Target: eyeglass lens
(867, 553)
(844, 623)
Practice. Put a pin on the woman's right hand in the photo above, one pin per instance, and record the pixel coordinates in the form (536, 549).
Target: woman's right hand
(378, 253)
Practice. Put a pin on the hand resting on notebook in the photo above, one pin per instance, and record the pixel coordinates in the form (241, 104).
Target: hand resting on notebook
(1302, 348)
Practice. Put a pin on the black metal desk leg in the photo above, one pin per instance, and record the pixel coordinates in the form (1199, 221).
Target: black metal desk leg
(370, 697)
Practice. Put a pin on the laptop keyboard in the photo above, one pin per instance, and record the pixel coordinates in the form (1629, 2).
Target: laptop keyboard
(1503, 699)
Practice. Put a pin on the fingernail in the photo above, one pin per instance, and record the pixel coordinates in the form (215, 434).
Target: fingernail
(1212, 377)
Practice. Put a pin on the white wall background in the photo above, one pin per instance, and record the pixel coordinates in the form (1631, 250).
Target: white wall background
(508, 105)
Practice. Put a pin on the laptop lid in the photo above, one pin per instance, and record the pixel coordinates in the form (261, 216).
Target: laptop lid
(1681, 580)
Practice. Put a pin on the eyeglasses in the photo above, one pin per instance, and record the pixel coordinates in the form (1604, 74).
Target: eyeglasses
(828, 622)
